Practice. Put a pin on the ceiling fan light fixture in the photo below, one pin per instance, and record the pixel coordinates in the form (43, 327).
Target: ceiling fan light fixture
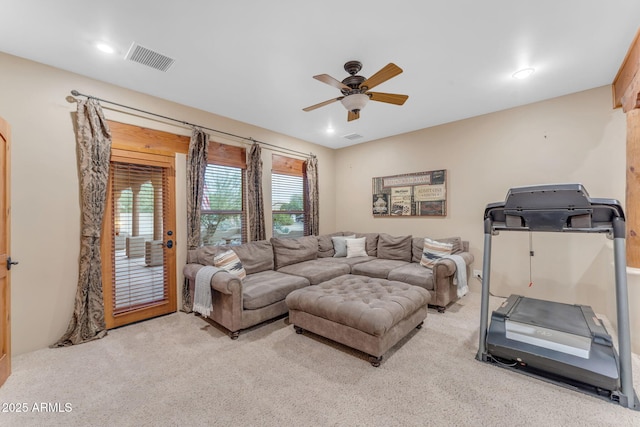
(357, 101)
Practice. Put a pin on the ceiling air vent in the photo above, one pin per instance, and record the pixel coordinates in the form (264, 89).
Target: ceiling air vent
(148, 57)
(352, 136)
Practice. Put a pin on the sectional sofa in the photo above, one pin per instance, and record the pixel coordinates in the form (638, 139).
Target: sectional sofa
(271, 269)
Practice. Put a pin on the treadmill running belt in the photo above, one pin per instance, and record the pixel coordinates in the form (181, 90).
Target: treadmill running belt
(551, 315)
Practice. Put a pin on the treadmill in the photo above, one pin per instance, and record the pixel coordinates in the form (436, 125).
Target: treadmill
(561, 343)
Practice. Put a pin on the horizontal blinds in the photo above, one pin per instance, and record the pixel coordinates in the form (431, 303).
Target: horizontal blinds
(223, 218)
(139, 277)
(287, 204)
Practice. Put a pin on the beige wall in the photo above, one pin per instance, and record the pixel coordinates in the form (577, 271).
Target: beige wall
(575, 138)
(45, 204)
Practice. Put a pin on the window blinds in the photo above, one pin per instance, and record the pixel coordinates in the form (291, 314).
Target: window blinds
(139, 278)
(223, 219)
(287, 204)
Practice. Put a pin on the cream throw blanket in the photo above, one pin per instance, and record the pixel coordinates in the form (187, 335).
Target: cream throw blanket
(460, 276)
(202, 302)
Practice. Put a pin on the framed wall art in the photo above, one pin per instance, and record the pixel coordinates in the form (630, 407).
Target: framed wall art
(410, 194)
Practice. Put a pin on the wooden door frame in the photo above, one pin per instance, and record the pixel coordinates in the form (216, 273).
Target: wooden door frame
(156, 148)
(5, 273)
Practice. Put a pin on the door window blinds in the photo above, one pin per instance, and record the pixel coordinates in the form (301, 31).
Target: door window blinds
(138, 258)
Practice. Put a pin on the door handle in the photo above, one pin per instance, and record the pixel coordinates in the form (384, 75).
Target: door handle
(168, 245)
(10, 263)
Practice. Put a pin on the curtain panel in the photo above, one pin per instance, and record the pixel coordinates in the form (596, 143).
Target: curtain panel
(196, 166)
(255, 201)
(312, 212)
(93, 140)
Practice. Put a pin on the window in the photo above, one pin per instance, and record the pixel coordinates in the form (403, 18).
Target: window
(288, 197)
(223, 219)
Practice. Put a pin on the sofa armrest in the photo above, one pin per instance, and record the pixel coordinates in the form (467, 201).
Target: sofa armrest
(450, 266)
(223, 281)
(443, 272)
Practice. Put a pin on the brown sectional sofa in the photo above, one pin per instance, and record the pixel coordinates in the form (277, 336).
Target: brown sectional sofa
(279, 266)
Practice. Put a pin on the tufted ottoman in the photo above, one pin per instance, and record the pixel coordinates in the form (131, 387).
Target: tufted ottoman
(365, 313)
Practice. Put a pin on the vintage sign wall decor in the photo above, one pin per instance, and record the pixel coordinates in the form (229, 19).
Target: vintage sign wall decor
(411, 194)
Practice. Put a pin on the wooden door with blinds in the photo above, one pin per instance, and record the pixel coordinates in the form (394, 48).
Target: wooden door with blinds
(139, 282)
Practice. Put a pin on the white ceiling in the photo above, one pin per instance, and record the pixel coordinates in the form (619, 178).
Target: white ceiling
(253, 60)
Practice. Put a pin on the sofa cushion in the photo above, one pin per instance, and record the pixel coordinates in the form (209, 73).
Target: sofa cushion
(268, 287)
(293, 251)
(433, 251)
(348, 261)
(413, 274)
(340, 245)
(418, 246)
(356, 247)
(317, 270)
(377, 268)
(255, 256)
(228, 260)
(394, 248)
(325, 245)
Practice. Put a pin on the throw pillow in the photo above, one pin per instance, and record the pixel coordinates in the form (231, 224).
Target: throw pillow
(340, 246)
(433, 251)
(229, 261)
(356, 247)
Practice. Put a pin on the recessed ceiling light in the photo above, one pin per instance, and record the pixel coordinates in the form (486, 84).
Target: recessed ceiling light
(330, 130)
(103, 47)
(523, 74)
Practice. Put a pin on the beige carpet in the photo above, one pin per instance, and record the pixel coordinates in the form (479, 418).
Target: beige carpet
(178, 370)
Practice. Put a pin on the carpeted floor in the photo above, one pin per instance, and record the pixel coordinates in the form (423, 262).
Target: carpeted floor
(178, 370)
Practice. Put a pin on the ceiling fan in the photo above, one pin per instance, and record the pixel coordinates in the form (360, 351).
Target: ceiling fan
(355, 89)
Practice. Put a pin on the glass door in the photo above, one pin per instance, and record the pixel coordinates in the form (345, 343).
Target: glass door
(140, 281)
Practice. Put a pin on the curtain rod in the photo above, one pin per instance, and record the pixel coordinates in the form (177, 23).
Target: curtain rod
(185, 123)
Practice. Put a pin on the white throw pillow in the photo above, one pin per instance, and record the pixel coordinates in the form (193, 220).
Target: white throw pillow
(340, 246)
(229, 261)
(433, 251)
(356, 247)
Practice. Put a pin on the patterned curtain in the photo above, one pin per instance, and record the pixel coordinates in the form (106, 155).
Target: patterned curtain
(196, 166)
(254, 194)
(94, 151)
(312, 212)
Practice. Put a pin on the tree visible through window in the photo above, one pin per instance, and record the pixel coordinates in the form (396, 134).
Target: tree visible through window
(222, 218)
(287, 194)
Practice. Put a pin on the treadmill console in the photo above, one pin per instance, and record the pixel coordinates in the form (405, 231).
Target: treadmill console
(553, 207)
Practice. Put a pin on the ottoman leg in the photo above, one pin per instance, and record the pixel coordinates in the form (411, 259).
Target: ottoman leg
(298, 329)
(234, 335)
(420, 325)
(375, 361)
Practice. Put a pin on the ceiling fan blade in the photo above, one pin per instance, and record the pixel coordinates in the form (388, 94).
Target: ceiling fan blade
(325, 78)
(322, 104)
(353, 115)
(391, 98)
(387, 72)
